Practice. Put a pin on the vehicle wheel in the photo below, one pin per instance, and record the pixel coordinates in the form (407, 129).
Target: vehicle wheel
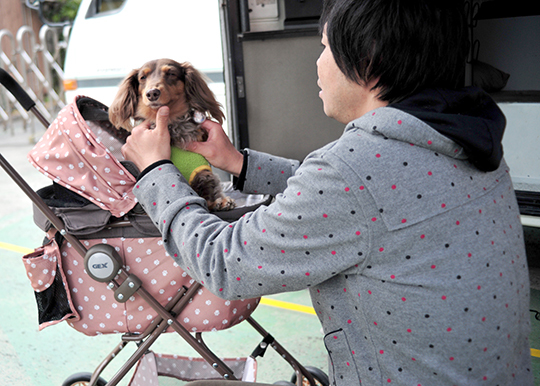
(321, 379)
(82, 379)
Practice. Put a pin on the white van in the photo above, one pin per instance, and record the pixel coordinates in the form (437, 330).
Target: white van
(109, 38)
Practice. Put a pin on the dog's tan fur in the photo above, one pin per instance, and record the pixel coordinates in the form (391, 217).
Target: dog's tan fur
(165, 82)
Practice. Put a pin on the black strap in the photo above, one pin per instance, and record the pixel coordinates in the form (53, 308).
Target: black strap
(58, 238)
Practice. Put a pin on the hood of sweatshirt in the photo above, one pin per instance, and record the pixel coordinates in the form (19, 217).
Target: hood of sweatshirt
(469, 117)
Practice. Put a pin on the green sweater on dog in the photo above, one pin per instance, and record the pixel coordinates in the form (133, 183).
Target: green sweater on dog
(188, 163)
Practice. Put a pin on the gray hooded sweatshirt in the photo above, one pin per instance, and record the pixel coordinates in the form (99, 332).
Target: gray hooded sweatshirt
(405, 230)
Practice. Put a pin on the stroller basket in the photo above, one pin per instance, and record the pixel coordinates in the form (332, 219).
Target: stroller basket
(186, 369)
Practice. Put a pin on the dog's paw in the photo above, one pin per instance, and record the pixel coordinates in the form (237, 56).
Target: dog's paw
(222, 203)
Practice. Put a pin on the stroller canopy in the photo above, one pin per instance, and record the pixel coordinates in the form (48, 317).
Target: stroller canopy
(84, 156)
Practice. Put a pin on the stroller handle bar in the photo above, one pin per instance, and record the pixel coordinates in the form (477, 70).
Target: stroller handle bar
(15, 88)
(22, 96)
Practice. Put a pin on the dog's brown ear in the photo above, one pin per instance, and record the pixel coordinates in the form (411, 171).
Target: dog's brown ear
(125, 102)
(199, 95)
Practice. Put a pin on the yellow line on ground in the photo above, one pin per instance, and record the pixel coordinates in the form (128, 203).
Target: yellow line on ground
(15, 248)
(535, 352)
(287, 305)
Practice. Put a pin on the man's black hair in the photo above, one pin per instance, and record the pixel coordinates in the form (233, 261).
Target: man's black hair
(408, 44)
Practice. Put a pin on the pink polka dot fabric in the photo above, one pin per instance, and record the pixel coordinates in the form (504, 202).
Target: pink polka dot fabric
(97, 312)
(74, 156)
(184, 368)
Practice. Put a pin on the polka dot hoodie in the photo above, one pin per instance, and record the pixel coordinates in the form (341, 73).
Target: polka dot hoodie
(414, 257)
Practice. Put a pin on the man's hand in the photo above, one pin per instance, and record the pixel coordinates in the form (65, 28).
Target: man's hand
(145, 146)
(218, 149)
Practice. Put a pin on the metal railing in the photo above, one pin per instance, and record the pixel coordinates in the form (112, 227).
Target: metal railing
(35, 63)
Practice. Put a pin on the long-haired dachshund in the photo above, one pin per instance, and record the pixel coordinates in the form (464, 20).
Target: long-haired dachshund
(165, 82)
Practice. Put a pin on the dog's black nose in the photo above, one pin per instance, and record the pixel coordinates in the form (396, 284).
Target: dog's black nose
(153, 95)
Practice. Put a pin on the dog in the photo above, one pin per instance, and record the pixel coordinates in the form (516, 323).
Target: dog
(181, 87)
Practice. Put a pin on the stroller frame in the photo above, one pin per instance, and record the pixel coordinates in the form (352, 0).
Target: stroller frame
(125, 285)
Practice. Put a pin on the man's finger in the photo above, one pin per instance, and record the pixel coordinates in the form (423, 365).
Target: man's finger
(192, 146)
(209, 125)
(162, 118)
(138, 128)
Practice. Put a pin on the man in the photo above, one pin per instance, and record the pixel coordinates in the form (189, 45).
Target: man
(405, 230)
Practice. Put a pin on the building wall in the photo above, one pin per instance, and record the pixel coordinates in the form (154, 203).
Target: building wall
(13, 15)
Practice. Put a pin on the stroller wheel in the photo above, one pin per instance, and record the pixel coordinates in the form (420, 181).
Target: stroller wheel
(82, 379)
(321, 379)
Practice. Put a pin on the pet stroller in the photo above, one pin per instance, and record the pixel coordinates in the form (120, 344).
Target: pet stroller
(102, 267)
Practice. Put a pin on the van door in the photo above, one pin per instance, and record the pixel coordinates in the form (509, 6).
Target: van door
(272, 47)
